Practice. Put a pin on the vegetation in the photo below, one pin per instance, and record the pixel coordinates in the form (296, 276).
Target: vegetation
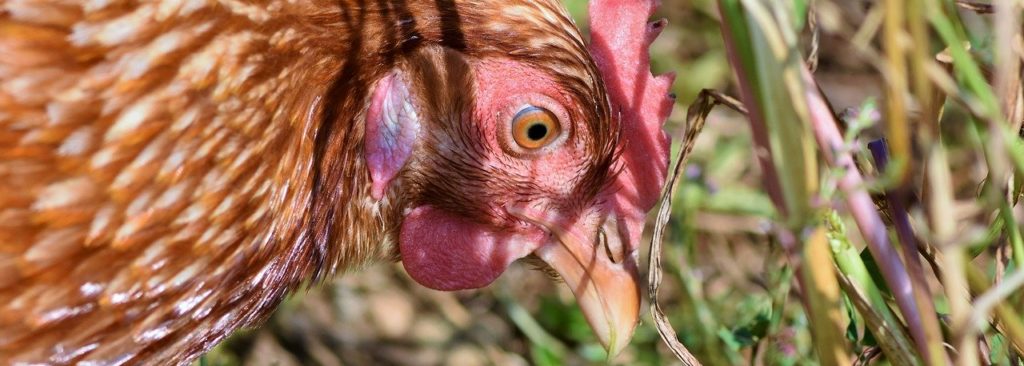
(937, 281)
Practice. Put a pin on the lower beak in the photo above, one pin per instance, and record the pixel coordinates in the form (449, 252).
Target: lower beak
(601, 274)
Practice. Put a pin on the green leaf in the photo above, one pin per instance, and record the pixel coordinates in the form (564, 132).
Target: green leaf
(875, 273)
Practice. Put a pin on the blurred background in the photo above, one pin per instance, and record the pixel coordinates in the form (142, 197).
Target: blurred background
(728, 290)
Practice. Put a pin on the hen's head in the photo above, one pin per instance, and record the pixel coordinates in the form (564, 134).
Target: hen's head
(521, 139)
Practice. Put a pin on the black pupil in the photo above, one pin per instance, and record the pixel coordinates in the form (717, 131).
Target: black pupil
(537, 132)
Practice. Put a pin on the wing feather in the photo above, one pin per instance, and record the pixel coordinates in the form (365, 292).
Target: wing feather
(148, 155)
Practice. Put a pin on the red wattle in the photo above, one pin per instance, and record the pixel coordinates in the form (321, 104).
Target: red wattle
(446, 252)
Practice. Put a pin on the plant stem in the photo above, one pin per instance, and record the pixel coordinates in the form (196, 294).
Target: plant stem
(897, 199)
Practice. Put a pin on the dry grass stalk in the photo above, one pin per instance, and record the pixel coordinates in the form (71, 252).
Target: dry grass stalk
(696, 116)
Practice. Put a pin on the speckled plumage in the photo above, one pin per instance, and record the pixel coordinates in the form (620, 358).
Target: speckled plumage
(170, 170)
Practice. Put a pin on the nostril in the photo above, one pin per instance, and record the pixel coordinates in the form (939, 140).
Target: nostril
(613, 251)
(602, 241)
(609, 237)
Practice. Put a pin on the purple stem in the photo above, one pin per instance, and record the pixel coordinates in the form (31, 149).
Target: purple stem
(898, 200)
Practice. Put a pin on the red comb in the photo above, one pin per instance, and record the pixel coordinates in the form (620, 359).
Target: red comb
(620, 37)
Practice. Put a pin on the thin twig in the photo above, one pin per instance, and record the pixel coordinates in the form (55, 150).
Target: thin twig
(984, 304)
(696, 115)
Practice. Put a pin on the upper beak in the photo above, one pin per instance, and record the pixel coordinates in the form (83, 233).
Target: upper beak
(600, 270)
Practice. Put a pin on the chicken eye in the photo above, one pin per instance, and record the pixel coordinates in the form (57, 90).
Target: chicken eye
(535, 127)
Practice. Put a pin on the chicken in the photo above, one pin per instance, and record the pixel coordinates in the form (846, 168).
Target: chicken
(171, 170)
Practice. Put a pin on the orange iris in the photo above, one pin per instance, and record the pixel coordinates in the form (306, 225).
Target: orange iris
(535, 127)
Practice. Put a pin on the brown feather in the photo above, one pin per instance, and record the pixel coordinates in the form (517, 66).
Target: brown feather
(170, 170)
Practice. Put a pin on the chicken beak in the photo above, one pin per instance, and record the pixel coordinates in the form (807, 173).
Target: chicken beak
(600, 270)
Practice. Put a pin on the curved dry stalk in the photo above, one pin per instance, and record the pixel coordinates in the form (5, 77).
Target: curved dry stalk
(696, 115)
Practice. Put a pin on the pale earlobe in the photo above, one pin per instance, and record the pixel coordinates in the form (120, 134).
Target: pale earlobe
(392, 127)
